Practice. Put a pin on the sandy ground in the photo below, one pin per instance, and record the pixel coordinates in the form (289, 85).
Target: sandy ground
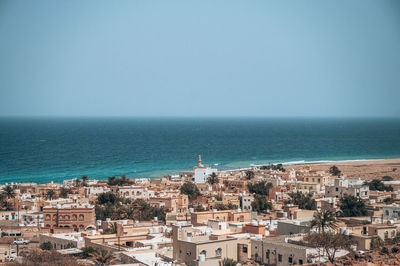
(374, 169)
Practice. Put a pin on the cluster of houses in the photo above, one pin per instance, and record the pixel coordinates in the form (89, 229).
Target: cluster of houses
(196, 232)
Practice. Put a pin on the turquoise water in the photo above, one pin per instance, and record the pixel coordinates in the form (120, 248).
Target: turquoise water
(50, 149)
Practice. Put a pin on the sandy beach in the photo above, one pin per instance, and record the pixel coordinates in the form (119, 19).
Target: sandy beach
(369, 169)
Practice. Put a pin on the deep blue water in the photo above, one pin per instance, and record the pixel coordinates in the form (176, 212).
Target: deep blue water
(46, 149)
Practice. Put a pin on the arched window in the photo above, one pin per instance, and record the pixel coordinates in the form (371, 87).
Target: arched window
(74, 217)
(81, 217)
(81, 226)
(218, 252)
(48, 217)
(47, 225)
(203, 252)
(55, 217)
(66, 217)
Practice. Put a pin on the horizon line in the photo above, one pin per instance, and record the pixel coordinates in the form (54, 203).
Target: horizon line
(198, 116)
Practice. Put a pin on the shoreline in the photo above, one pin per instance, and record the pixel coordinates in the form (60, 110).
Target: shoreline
(375, 164)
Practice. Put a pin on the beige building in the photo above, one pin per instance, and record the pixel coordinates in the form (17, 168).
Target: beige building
(342, 187)
(246, 201)
(63, 241)
(173, 204)
(201, 250)
(277, 251)
(133, 192)
(200, 218)
(313, 188)
(69, 216)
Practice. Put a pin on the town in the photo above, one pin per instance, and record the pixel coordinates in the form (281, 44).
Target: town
(265, 215)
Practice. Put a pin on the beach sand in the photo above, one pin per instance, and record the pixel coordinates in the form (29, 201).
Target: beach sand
(370, 169)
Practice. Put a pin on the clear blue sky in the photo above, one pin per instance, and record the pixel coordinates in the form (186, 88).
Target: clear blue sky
(200, 58)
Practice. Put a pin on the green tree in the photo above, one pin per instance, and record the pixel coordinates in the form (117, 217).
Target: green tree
(387, 178)
(305, 202)
(9, 191)
(103, 257)
(191, 190)
(249, 175)
(228, 262)
(260, 204)
(122, 181)
(323, 220)
(351, 206)
(378, 185)
(64, 192)
(108, 197)
(46, 246)
(85, 179)
(50, 194)
(388, 200)
(334, 170)
(212, 179)
(330, 242)
(86, 252)
(259, 188)
(278, 167)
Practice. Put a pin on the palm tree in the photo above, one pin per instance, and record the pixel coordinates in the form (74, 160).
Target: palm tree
(102, 257)
(249, 175)
(323, 220)
(9, 191)
(50, 194)
(4, 204)
(228, 262)
(212, 179)
(85, 178)
(77, 182)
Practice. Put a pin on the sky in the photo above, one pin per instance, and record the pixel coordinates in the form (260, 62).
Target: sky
(200, 58)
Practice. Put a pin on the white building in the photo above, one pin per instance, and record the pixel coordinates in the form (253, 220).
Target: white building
(342, 187)
(201, 172)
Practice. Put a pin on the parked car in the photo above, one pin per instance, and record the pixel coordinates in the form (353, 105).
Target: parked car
(21, 241)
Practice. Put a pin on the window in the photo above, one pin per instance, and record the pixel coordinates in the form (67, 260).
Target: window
(290, 260)
(301, 262)
(218, 252)
(203, 252)
(280, 257)
(81, 217)
(48, 217)
(337, 189)
(267, 254)
(386, 235)
(188, 253)
(392, 233)
(74, 217)
(244, 250)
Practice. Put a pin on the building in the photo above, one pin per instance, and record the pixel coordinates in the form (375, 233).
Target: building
(63, 241)
(201, 172)
(133, 192)
(278, 251)
(246, 201)
(313, 188)
(200, 218)
(69, 216)
(293, 227)
(391, 212)
(342, 187)
(206, 249)
(173, 204)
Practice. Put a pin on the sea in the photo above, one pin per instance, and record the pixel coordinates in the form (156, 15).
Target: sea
(54, 149)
